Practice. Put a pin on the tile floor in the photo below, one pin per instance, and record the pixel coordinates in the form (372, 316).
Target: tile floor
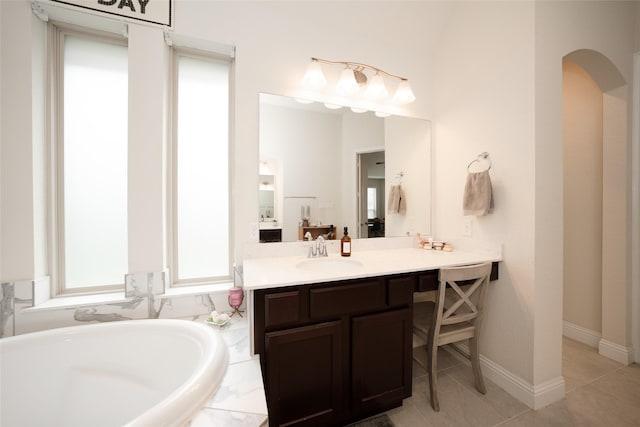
(599, 392)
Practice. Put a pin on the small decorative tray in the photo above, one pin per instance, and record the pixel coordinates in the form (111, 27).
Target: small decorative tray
(218, 322)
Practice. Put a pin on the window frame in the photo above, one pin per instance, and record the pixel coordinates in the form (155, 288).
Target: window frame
(56, 33)
(172, 168)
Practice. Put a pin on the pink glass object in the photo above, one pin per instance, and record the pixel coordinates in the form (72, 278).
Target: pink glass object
(236, 296)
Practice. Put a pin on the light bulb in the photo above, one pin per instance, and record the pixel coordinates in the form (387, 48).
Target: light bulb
(314, 78)
(376, 88)
(347, 85)
(404, 94)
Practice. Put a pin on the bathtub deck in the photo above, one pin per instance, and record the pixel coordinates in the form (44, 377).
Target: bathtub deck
(240, 400)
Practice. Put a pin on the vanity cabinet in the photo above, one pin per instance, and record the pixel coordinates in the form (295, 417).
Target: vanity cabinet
(335, 352)
(270, 235)
(305, 374)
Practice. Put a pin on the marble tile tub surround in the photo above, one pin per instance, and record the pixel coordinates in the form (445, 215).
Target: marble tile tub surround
(23, 308)
(240, 401)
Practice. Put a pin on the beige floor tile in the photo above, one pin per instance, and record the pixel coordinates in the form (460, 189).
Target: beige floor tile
(621, 385)
(459, 406)
(582, 364)
(600, 392)
(445, 359)
(408, 416)
(555, 415)
(591, 406)
(498, 399)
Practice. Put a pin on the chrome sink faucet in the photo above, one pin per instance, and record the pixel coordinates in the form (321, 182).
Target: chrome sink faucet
(317, 249)
(321, 246)
(312, 248)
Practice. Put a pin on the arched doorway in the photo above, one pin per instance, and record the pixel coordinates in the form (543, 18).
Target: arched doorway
(596, 204)
(582, 204)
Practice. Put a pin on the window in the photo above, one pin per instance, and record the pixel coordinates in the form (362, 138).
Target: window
(372, 202)
(200, 199)
(90, 152)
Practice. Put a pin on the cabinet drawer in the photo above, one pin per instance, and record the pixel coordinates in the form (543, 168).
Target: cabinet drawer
(352, 297)
(401, 290)
(271, 235)
(282, 308)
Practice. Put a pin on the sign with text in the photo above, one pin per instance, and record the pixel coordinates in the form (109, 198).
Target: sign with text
(151, 11)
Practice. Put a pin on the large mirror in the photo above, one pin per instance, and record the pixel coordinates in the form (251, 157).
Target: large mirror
(325, 169)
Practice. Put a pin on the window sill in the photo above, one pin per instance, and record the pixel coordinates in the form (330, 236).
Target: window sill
(119, 297)
(197, 290)
(81, 300)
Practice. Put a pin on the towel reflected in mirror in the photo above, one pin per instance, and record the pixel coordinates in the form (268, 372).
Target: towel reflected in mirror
(397, 200)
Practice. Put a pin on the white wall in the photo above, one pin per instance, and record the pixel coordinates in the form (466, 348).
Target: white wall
(487, 73)
(19, 143)
(608, 28)
(148, 74)
(274, 41)
(498, 89)
(484, 102)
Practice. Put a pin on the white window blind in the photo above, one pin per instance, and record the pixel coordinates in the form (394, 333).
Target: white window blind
(201, 171)
(93, 163)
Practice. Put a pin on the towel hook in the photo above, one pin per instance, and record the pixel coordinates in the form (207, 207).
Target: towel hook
(399, 177)
(482, 156)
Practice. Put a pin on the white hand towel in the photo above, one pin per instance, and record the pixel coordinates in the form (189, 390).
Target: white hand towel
(397, 200)
(478, 194)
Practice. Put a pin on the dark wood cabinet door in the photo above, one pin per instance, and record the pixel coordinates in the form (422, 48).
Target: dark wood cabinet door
(381, 360)
(304, 375)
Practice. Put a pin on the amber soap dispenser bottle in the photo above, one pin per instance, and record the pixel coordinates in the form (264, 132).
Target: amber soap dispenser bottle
(345, 244)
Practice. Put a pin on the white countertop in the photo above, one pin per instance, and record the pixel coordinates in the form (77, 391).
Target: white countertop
(279, 271)
(269, 225)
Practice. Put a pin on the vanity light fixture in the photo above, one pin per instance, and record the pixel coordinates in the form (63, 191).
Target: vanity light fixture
(376, 88)
(353, 79)
(314, 77)
(265, 169)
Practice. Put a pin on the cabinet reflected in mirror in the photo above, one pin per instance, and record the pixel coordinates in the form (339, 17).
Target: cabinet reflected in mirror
(318, 152)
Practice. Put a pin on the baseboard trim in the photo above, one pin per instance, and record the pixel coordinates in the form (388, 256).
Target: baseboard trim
(594, 339)
(580, 334)
(616, 352)
(534, 396)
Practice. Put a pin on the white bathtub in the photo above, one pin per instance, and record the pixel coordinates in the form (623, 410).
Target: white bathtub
(134, 373)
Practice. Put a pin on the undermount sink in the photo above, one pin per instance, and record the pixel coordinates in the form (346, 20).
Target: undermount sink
(329, 264)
